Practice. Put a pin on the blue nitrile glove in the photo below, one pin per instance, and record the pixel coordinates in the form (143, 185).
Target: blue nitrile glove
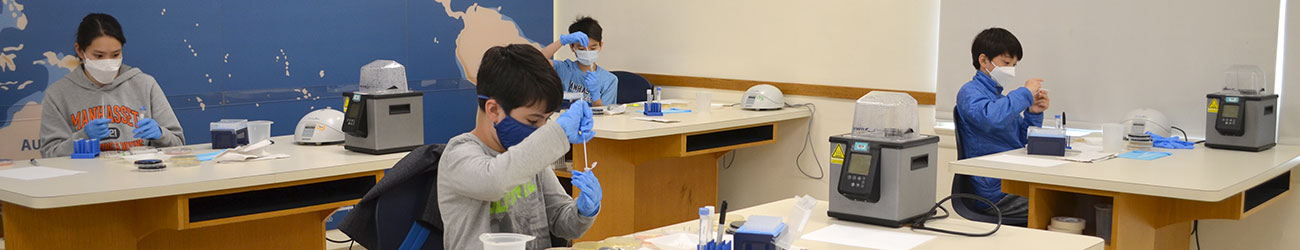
(1170, 142)
(575, 37)
(97, 128)
(147, 128)
(590, 82)
(577, 119)
(589, 198)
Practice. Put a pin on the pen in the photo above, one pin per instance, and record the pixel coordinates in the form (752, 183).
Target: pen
(1062, 119)
(722, 222)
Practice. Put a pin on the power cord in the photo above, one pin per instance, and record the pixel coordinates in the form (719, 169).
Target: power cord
(338, 241)
(807, 142)
(1180, 130)
(729, 162)
(920, 222)
(1196, 224)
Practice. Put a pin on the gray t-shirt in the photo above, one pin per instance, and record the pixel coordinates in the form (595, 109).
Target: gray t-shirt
(482, 191)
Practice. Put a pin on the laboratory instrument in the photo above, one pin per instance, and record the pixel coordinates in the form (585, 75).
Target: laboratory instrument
(886, 174)
(150, 165)
(1243, 116)
(320, 126)
(229, 133)
(1047, 141)
(1151, 120)
(385, 121)
(762, 97)
(1138, 139)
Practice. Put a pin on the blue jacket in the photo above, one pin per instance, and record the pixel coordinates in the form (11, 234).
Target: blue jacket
(993, 123)
(604, 89)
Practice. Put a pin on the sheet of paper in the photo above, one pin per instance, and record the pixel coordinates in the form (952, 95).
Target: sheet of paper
(36, 173)
(1024, 160)
(867, 237)
(1088, 157)
(680, 241)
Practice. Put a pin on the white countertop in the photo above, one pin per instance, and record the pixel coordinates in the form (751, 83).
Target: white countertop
(1201, 174)
(108, 180)
(1008, 237)
(624, 127)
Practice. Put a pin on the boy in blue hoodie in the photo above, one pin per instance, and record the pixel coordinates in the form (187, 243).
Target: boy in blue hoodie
(598, 86)
(992, 122)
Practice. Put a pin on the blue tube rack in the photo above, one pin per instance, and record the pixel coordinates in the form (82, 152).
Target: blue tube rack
(85, 149)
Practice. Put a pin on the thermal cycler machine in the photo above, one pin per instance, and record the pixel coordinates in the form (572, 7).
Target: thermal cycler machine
(1243, 116)
(383, 116)
(884, 172)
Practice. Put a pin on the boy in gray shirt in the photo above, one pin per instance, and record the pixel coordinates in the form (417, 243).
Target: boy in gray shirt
(497, 178)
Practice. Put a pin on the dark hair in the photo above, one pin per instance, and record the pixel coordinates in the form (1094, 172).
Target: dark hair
(518, 75)
(587, 26)
(994, 42)
(96, 25)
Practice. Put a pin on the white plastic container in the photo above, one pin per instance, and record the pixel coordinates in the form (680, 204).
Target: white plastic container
(1112, 137)
(504, 241)
(703, 102)
(259, 131)
(883, 114)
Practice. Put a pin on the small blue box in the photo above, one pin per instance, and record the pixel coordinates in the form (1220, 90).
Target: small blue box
(759, 233)
(1047, 145)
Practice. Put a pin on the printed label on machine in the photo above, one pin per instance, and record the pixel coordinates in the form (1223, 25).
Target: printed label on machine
(837, 157)
(1214, 106)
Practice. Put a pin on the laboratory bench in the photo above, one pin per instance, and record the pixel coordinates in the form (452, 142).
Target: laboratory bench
(1153, 202)
(650, 172)
(267, 204)
(1007, 237)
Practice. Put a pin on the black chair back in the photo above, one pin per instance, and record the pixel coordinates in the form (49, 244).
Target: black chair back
(631, 87)
(401, 206)
(963, 184)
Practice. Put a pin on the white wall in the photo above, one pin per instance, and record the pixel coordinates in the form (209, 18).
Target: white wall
(874, 44)
(1274, 227)
(1103, 58)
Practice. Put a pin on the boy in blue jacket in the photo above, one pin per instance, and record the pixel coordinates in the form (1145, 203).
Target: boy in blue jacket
(992, 122)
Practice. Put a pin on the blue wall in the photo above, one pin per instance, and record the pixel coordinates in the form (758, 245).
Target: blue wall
(234, 59)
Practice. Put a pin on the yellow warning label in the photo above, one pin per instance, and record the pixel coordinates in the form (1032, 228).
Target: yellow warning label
(1214, 106)
(345, 105)
(837, 157)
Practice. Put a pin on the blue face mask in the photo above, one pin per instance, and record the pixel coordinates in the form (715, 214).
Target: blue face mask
(510, 131)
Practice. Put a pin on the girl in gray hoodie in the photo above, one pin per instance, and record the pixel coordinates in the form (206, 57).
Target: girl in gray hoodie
(103, 99)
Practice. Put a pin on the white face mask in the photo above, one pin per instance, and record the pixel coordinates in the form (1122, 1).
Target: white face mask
(1002, 75)
(103, 70)
(587, 57)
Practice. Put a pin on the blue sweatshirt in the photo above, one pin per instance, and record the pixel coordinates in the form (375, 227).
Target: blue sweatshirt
(993, 123)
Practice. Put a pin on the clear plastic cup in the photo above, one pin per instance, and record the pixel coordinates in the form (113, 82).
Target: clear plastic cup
(504, 241)
(258, 131)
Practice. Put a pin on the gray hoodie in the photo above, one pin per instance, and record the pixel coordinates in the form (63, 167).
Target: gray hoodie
(482, 191)
(73, 101)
